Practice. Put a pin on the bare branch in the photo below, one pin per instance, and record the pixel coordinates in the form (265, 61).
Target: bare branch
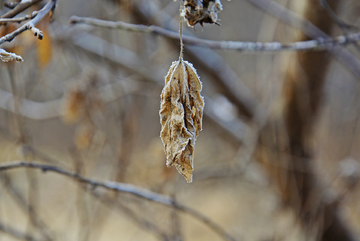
(339, 52)
(18, 20)
(18, 8)
(318, 44)
(122, 187)
(31, 24)
(7, 56)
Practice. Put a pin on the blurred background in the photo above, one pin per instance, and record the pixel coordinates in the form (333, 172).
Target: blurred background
(278, 157)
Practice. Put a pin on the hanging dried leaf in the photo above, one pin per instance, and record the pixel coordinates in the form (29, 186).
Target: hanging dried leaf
(181, 112)
(202, 11)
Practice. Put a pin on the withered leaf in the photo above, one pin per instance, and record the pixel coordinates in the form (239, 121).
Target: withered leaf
(181, 113)
(202, 11)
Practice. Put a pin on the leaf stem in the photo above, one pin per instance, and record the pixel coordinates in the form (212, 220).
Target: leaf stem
(180, 32)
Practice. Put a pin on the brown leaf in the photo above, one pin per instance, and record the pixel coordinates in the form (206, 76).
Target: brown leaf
(181, 113)
(202, 11)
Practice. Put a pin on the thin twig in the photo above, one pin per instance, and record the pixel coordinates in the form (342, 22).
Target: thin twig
(7, 56)
(20, 7)
(180, 32)
(339, 52)
(122, 187)
(20, 19)
(317, 44)
(31, 24)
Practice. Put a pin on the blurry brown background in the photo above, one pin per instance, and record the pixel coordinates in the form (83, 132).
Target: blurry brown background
(87, 100)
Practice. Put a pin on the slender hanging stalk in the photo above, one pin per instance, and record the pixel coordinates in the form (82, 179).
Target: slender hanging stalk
(180, 32)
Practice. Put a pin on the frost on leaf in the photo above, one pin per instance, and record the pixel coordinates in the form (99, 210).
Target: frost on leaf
(181, 112)
(202, 11)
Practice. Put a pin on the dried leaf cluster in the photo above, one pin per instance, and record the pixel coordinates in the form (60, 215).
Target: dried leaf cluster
(181, 113)
(201, 11)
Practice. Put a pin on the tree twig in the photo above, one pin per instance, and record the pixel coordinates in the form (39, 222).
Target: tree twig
(122, 187)
(20, 19)
(317, 44)
(7, 56)
(31, 24)
(181, 32)
(20, 7)
(339, 52)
